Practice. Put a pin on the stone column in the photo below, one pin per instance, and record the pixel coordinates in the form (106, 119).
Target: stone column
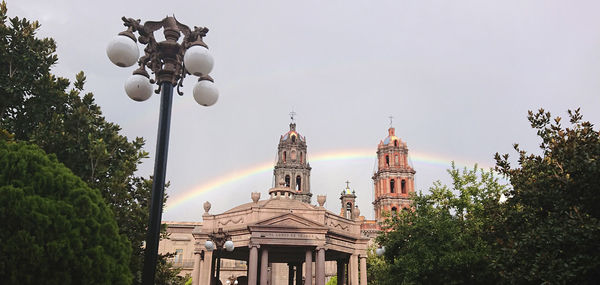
(363, 270)
(308, 270)
(299, 274)
(196, 271)
(354, 270)
(320, 267)
(252, 264)
(341, 272)
(264, 264)
(206, 269)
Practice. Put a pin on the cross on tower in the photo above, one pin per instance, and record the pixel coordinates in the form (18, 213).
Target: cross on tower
(391, 120)
(347, 184)
(292, 114)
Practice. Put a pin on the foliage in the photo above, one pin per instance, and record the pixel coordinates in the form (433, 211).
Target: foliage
(445, 238)
(55, 229)
(377, 269)
(40, 108)
(551, 230)
(332, 281)
(24, 61)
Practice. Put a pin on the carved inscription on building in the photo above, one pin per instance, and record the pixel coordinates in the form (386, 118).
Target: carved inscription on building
(287, 235)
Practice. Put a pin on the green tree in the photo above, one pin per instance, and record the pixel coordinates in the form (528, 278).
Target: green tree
(445, 238)
(55, 229)
(376, 268)
(550, 233)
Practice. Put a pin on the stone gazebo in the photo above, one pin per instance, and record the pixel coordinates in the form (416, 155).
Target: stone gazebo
(288, 231)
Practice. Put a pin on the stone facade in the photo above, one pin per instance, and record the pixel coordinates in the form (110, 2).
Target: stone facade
(284, 239)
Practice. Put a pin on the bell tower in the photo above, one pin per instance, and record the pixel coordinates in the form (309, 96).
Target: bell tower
(292, 168)
(348, 199)
(394, 179)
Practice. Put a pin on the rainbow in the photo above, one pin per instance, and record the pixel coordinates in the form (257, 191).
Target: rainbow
(319, 157)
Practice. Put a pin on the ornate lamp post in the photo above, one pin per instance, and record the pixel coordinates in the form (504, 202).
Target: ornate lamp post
(218, 241)
(169, 61)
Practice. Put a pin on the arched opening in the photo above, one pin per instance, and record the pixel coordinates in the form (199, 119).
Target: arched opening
(387, 160)
(284, 156)
(394, 210)
(395, 142)
(396, 160)
(293, 139)
(287, 181)
(298, 183)
(301, 157)
(403, 186)
(392, 186)
(349, 210)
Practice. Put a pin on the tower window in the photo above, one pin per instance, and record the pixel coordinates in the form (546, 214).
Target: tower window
(396, 160)
(293, 139)
(403, 186)
(395, 142)
(349, 210)
(284, 156)
(287, 181)
(394, 210)
(387, 160)
(392, 186)
(300, 157)
(298, 182)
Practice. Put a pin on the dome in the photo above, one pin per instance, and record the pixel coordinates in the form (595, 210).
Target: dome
(391, 138)
(288, 204)
(292, 134)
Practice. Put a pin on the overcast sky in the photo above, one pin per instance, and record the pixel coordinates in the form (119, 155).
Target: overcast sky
(458, 77)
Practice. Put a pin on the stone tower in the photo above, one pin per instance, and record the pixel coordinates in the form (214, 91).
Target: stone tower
(292, 167)
(394, 179)
(348, 199)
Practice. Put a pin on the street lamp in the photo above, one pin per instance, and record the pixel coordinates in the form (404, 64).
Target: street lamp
(217, 241)
(169, 61)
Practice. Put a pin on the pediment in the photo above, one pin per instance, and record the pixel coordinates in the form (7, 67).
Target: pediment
(289, 221)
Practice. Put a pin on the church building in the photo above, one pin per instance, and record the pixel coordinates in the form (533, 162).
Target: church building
(284, 238)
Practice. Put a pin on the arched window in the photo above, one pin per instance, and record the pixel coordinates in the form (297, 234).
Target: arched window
(349, 210)
(293, 139)
(284, 156)
(392, 186)
(301, 157)
(394, 210)
(395, 159)
(395, 142)
(298, 183)
(403, 186)
(287, 181)
(387, 160)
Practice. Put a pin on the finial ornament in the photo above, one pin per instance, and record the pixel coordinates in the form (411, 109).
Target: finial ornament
(292, 114)
(347, 184)
(391, 120)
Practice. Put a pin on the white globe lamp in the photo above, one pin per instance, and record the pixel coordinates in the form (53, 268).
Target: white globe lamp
(206, 93)
(229, 246)
(209, 245)
(198, 61)
(138, 87)
(123, 51)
